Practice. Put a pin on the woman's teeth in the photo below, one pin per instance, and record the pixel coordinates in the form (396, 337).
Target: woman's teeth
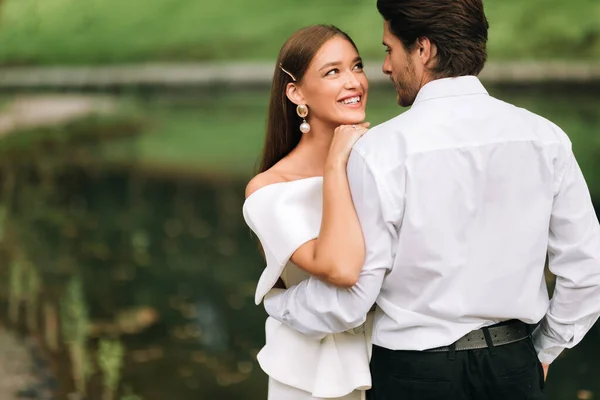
(351, 100)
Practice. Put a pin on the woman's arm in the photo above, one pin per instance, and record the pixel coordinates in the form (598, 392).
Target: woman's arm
(337, 255)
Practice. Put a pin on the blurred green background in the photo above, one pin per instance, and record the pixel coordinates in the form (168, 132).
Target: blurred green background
(114, 31)
(126, 270)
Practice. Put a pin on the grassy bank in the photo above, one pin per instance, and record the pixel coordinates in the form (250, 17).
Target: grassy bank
(114, 31)
(72, 138)
(223, 134)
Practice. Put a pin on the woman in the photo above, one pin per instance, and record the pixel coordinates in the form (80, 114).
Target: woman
(300, 207)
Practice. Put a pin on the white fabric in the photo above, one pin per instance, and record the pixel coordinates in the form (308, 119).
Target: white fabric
(460, 199)
(284, 216)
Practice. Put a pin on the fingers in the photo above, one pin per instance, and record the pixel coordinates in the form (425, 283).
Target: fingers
(353, 128)
(344, 138)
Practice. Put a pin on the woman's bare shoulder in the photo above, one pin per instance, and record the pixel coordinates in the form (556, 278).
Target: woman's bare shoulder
(263, 179)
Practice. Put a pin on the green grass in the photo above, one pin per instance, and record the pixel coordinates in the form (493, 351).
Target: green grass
(223, 133)
(69, 138)
(116, 31)
(220, 134)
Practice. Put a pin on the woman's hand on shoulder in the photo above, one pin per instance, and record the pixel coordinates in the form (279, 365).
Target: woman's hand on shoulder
(344, 138)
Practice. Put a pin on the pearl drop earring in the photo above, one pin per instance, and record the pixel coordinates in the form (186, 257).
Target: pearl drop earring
(302, 112)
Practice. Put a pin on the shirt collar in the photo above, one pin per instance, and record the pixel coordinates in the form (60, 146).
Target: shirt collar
(450, 87)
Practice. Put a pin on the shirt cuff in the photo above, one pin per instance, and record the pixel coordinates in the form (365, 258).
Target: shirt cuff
(272, 302)
(547, 350)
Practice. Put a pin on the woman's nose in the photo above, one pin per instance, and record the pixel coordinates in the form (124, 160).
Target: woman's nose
(351, 81)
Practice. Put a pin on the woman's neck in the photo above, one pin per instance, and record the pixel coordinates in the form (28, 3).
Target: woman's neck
(313, 148)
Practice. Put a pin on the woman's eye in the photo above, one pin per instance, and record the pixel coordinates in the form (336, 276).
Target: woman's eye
(388, 50)
(359, 66)
(332, 72)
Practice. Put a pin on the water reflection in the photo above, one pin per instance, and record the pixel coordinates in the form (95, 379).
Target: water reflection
(157, 275)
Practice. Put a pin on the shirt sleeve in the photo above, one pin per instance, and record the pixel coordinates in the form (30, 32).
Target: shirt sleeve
(574, 257)
(316, 308)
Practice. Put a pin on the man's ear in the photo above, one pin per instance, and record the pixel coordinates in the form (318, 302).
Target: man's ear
(294, 93)
(426, 51)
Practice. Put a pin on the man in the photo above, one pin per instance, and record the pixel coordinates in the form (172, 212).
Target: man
(460, 199)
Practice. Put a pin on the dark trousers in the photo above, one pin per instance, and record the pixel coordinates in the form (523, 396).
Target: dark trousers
(508, 372)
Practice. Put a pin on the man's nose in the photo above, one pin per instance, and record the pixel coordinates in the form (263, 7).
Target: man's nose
(386, 68)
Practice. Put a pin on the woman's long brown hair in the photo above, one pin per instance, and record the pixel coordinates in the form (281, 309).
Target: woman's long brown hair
(283, 125)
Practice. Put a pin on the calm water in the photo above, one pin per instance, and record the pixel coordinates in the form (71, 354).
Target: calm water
(167, 268)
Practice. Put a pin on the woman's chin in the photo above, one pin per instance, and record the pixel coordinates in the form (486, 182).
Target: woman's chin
(356, 118)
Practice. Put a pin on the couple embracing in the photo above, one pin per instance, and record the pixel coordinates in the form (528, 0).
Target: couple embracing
(406, 261)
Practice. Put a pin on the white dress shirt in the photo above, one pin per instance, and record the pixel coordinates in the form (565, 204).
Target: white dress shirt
(460, 199)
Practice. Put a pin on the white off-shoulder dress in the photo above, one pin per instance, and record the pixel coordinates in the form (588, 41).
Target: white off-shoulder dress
(284, 216)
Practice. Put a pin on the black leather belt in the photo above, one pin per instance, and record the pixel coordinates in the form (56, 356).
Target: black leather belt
(499, 334)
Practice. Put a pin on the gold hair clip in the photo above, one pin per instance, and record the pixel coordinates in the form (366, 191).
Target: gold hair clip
(287, 72)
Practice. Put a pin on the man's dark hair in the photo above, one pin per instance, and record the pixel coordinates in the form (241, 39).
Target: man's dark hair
(458, 28)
